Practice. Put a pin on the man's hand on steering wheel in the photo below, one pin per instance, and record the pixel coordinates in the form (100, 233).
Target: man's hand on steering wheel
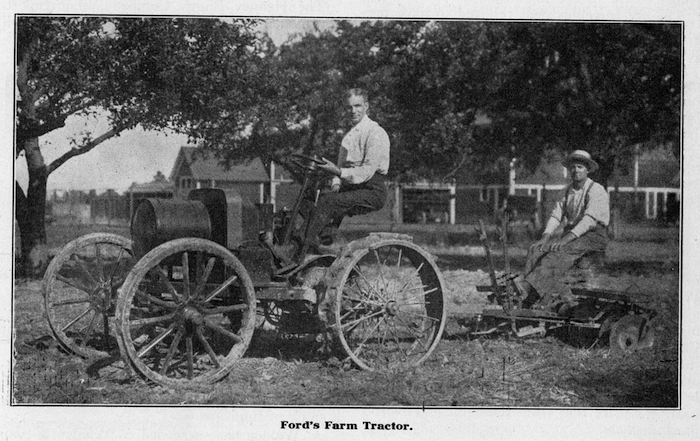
(328, 167)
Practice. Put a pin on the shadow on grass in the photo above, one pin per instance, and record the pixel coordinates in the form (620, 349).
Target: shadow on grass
(628, 388)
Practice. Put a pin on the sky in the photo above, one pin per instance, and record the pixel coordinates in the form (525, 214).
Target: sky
(136, 155)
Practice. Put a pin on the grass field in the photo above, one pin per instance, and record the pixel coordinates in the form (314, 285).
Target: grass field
(559, 370)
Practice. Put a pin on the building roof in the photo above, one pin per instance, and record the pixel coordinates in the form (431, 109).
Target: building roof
(152, 187)
(205, 166)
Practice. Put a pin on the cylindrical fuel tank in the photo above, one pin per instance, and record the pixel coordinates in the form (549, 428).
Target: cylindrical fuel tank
(157, 221)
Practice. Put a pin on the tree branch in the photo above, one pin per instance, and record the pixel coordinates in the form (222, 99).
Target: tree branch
(85, 148)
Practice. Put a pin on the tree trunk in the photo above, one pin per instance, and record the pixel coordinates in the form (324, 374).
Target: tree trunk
(30, 212)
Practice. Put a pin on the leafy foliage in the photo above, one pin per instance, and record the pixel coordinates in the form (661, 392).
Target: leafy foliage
(469, 96)
(190, 75)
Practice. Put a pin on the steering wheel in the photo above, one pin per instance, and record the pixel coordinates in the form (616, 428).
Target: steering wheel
(307, 163)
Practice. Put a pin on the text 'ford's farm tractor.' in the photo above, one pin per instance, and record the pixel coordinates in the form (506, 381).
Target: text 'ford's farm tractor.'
(182, 298)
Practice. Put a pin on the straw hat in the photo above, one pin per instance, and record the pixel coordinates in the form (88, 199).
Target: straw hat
(582, 157)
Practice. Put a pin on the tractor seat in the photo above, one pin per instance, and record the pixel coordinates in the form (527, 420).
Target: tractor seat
(359, 209)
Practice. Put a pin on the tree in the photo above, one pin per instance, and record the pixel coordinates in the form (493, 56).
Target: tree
(605, 88)
(473, 95)
(429, 83)
(189, 75)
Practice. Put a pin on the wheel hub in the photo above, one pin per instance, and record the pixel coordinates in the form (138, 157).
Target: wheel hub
(101, 297)
(392, 308)
(193, 316)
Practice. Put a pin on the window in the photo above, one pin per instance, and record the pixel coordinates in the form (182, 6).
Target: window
(185, 183)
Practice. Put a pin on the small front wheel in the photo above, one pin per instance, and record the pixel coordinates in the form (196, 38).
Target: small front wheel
(388, 308)
(186, 313)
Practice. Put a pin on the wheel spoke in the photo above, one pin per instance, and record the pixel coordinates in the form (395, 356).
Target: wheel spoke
(105, 330)
(398, 342)
(155, 300)
(379, 265)
(417, 337)
(423, 316)
(190, 363)
(186, 275)
(363, 300)
(98, 260)
(171, 352)
(116, 265)
(150, 320)
(412, 277)
(205, 277)
(84, 267)
(89, 329)
(221, 289)
(225, 309)
(164, 277)
(369, 284)
(207, 348)
(71, 301)
(146, 349)
(362, 344)
(218, 328)
(75, 320)
(361, 319)
(73, 283)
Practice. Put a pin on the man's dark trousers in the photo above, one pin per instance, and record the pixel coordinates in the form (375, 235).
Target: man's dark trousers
(333, 206)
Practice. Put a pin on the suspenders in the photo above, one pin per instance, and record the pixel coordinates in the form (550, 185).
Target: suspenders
(586, 189)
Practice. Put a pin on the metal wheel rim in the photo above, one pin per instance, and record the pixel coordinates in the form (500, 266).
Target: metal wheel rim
(184, 337)
(394, 317)
(629, 334)
(80, 288)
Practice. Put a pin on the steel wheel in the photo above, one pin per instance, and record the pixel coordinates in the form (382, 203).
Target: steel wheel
(80, 288)
(630, 333)
(186, 313)
(388, 307)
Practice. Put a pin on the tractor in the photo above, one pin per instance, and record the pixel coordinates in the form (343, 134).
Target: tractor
(181, 299)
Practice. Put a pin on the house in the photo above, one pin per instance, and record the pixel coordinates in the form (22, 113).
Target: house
(252, 179)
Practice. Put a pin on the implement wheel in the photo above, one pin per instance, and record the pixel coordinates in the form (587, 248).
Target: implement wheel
(80, 289)
(387, 304)
(186, 313)
(631, 333)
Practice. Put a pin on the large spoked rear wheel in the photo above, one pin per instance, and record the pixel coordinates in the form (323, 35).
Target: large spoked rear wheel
(186, 313)
(80, 289)
(388, 307)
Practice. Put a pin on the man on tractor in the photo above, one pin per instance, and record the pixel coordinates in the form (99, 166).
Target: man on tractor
(358, 176)
(584, 213)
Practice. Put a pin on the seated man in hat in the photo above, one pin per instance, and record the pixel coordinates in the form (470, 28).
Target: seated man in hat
(584, 212)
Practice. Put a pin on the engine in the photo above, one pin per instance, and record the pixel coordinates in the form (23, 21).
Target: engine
(210, 213)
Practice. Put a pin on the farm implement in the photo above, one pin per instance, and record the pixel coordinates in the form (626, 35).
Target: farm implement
(619, 316)
(181, 299)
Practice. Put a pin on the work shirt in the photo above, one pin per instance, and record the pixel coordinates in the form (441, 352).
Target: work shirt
(364, 151)
(581, 217)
